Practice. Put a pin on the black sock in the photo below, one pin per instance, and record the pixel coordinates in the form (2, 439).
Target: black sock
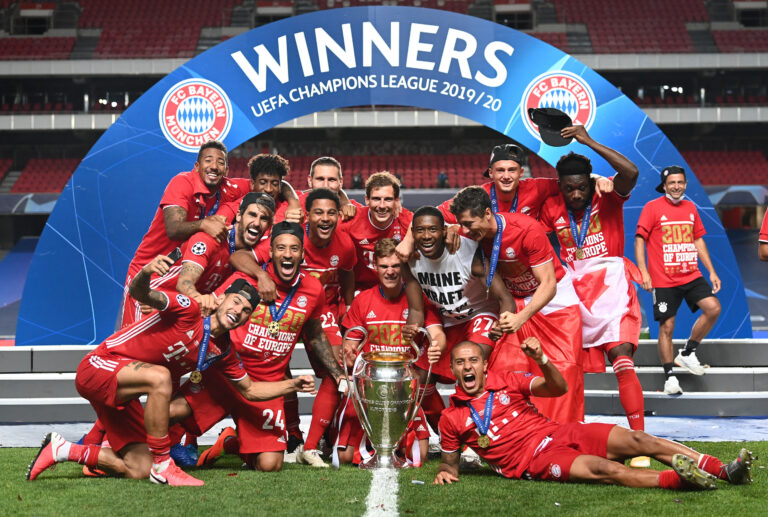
(690, 346)
(668, 369)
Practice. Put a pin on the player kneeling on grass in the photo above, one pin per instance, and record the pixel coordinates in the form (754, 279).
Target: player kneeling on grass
(492, 415)
(148, 358)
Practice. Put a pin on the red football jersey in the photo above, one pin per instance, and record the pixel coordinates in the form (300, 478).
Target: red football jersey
(605, 236)
(212, 256)
(325, 263)
(524, 245)
(531, 194)
(764, 229)
(189, 192)
(383, 319)
(516, 427)
(171, 338)
(265, 357)
(365, 235)
(669, 231)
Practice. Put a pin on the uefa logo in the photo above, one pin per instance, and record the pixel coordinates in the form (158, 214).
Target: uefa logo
(561, 90)
(193, 112)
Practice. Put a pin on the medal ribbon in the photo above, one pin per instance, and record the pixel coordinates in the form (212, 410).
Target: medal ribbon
(484, 424)
(494, 252)
(214, 208)
(277, 314)
(580, 235)
(202, 351)
(232, 240)
(495, 203)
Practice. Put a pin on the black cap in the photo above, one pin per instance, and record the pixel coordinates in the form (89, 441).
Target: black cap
(672, 169)
(242, 287)
(286, 227)
(551, 121)
(505, 152)
(259, 198)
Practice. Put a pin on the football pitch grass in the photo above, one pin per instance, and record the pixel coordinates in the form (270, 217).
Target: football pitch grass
(302, 490)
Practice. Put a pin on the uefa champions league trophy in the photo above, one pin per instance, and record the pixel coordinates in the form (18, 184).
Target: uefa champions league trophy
(384, 390)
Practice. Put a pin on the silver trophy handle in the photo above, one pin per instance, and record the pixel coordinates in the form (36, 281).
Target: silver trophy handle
(419, 400)
(353, 393)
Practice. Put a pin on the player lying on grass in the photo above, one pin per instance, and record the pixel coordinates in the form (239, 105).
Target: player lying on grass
(492, 415)
(148, 358)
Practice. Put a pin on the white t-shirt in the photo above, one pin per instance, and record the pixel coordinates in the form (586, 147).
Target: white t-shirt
(449, 285)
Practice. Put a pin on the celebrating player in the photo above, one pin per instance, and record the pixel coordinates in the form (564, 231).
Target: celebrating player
(329, 256)
(675, 235)
(454, 285)
(205, 261)
(590, 229)
(189, 205)
(383, 311)
(374, 222)
(492, 413)
(547, 304)
(148, 358)
(264, 346)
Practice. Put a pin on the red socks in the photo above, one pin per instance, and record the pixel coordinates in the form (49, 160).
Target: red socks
(291, 405)
(84, 454)
(160, 448)
(630, 392)
(432, 405)
(326, 402)
(669, 480)
(712, 465)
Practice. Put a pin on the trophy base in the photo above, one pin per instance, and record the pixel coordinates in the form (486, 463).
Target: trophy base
(384, 462)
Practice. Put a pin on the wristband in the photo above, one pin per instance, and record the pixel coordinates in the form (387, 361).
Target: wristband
(544, 360)
(343, 386)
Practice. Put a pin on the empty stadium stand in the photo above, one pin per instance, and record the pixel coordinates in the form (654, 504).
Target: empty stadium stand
(35, 47)
(45, 175)
(418, 171)
(174, 28)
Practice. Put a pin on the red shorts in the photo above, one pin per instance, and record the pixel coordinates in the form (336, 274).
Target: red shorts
(260, 425)
(594, 356)
(351, 433)
(553, 462)
(475, 330)
(96, 381)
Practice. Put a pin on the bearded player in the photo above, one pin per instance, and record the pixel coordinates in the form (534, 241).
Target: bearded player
(264, 346)
(590, 229)
(383, 311)
(492, 413)
(148, 358)
(516, 247)
(329, 256)
(454, 285)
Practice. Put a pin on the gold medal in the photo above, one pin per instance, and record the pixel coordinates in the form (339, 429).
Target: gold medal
(274, 328)
(483, 441)
(196, 377)
(579, 253)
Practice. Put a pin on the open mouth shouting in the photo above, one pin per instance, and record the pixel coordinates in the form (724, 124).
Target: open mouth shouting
(252, 234)
(287, 268)
(469, 381)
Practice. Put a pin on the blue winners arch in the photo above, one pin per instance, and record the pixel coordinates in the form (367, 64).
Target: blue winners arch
(330, 59)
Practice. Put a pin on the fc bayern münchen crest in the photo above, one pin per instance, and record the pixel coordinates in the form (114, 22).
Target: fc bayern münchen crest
(194, 111)
(562, 90)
